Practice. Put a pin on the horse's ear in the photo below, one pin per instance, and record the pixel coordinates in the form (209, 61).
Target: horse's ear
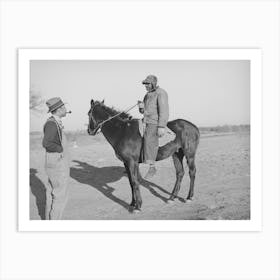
(91, 102)
(103, 101)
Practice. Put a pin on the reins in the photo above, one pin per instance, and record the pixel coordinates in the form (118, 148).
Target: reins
(99, 126)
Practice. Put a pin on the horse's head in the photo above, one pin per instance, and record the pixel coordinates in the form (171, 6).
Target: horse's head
(99, 114)
(96, 116)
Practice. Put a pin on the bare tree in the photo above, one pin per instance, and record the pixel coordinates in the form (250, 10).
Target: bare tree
(35, 101)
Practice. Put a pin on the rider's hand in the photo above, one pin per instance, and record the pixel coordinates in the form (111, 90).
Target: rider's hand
(161, 131)
(141, 106)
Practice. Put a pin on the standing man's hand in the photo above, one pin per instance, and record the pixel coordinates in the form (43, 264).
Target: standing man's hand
(161, 131)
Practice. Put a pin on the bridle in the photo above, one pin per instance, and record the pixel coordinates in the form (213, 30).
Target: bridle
(100, 124)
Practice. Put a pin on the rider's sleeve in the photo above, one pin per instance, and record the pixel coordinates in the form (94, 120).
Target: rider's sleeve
(163, 108)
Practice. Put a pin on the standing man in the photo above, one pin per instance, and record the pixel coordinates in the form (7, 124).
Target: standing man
(56, 161)
(156, 113)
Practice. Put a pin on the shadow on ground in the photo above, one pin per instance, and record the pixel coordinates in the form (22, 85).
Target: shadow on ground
(39, 191)
(100, 177)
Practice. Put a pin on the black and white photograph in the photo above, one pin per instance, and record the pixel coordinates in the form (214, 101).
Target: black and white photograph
(141, 139)
(106, 179)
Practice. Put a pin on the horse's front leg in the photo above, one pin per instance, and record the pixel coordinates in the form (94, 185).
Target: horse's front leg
(137, 186)
(133, 201)
(133, 171)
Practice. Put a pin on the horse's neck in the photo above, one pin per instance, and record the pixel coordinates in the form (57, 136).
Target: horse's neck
(110, 130)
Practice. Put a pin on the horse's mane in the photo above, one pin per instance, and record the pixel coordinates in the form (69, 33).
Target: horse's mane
(112, 112)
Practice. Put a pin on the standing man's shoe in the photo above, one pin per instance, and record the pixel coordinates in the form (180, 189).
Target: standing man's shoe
(151, 172)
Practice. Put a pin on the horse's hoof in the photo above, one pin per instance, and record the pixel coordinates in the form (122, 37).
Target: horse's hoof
(170, 201)
(136, 211)
(189, 200)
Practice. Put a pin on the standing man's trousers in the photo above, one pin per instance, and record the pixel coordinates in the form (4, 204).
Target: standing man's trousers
(57, 169)
(151, 143)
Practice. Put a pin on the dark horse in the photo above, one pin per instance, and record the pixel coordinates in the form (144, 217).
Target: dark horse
(122, 132)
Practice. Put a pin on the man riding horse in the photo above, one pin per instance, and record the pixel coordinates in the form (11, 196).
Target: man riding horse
(122, 132)
(156, 112)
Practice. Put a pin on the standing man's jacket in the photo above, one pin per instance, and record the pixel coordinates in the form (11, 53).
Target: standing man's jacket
(52, 136)
(156, 107)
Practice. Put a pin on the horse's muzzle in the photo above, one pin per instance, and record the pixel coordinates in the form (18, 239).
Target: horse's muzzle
(92, 132)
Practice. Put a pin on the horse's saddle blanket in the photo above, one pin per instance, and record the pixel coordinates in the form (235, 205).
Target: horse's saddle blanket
(142, 127)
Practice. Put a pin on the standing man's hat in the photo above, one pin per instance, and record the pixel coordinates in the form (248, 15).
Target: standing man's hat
(54, 103)
(151, 79)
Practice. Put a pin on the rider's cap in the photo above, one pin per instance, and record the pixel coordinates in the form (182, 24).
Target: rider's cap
(151, 79)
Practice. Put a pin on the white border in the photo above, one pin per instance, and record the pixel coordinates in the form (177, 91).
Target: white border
(254, 55)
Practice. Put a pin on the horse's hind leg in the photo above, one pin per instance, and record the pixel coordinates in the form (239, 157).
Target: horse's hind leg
(178, 163)
(192, 172)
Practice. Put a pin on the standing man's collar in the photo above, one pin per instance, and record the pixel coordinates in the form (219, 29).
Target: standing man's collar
(154, 89)
(58, 120)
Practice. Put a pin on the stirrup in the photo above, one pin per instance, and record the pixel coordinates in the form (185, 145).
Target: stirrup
(151, 173)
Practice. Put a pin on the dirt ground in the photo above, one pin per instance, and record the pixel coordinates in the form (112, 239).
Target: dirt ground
(99, 189)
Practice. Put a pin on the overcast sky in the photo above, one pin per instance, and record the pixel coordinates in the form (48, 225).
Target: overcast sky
(207, 93)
